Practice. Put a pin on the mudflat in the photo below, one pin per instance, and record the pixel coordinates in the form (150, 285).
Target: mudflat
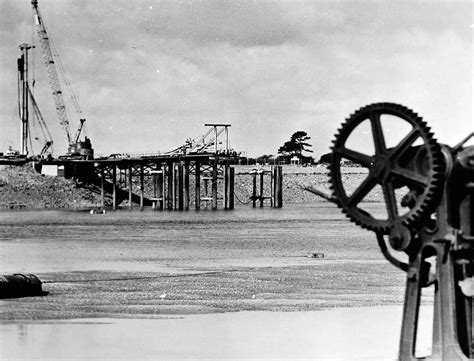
(202, 282)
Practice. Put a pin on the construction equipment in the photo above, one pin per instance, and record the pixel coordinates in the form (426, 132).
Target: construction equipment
(47, 140)
(428, 193)
(206, 143)
(76, 148)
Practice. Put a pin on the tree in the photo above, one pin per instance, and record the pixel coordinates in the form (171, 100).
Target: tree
(296, 145)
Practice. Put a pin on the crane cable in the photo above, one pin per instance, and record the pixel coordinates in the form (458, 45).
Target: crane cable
(66, 79)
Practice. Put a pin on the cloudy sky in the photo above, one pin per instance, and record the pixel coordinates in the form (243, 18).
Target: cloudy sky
(150, 73)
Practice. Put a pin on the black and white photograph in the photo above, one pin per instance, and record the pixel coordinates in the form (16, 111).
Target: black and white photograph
(236, 180)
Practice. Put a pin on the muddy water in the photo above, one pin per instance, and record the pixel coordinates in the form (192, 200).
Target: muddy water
(55, 241)
(52, 242)
(337, 334)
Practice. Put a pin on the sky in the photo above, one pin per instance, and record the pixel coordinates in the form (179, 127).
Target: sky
(150, 73)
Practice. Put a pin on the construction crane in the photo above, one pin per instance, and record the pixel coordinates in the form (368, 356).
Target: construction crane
(76, 148)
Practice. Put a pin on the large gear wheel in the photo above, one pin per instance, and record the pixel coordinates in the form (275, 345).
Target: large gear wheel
(419, 170)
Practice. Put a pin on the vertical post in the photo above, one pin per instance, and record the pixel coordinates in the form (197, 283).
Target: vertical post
(197, 185)
(129, 186)
(254, 189)
(274, 186)
(175, 186)
(155, 190)
(160, 185)
(142, 188)
(180, 187)
(280, 187)
(186, 185)
(23, 70)
(169, 174)
(114, 187)
(231, 187)
(261, 188)
(226, 185)
(214, 185)
(102, 192)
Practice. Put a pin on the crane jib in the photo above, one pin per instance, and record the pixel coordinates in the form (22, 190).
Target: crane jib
(75, 146)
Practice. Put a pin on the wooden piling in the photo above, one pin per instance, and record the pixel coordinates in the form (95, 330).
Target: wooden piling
(129, 186)
(186, 199)
(180, 187)
(254, 189)
(214, 185)
(175, 186)
(226, 186)
(280, 187)
(197, 192)
(160, 187)
(274, 186)
(102, 191)
(114, 187)
(169, 176)
(261, 189)
(142, 187)
(231, 187)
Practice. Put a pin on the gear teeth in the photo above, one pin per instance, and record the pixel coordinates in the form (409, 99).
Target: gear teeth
(430, 195)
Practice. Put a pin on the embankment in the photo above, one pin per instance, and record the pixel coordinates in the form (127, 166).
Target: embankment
(22, 187)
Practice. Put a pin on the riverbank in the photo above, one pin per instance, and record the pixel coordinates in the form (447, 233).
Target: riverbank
(21, 187)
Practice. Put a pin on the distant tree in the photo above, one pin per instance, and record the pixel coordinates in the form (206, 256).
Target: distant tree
(297, 144)
(265, 159)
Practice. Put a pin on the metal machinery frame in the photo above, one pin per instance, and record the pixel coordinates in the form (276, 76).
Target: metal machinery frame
(433, 223)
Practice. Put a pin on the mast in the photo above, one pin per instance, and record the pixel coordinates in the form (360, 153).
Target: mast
(23, 88)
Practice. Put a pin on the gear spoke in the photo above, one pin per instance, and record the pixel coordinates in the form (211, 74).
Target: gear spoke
(411, 178)
(354, 156)
(377, 133)
(419, 168)
(364, 188)
(404, 144)
(389, 196)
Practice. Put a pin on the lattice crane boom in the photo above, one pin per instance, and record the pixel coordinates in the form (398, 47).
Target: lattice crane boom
(52, 73)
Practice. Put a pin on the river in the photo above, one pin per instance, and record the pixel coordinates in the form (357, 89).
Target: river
(199, 263)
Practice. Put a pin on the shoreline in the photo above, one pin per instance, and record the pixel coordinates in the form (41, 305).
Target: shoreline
(23, 188)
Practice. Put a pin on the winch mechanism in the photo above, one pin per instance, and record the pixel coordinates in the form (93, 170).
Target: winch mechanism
(428, 213)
